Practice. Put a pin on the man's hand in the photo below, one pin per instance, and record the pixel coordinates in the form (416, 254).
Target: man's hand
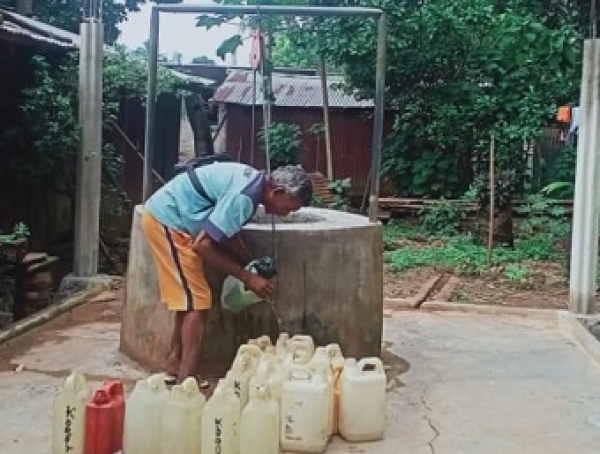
(209, 251)
(259, 285)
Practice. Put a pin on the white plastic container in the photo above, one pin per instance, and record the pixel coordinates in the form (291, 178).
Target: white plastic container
(270, 374)
(304, 412)
(321, 363)
(242, 369)
(69, 415)
(266, 367)
(300, 350)
(259, 427)
(335, 352)
(276, 380)
(362, 400)
(337, 365)
(261, 342)
(303, 340)
(182, 419)
(143, 416)
(281, 347)
(220, 422)
(253, 350)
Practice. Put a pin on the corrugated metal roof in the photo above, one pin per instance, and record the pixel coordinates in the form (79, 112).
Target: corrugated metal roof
(289, 90)
(20, 26)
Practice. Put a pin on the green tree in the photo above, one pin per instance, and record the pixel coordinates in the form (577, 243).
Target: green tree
(457, 71)
(285, 143)
(49, 136)
(288, 55)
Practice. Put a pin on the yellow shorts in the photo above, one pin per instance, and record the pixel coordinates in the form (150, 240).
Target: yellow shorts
(183, 286)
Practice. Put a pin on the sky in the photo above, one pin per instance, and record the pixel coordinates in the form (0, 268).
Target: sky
(178, 33)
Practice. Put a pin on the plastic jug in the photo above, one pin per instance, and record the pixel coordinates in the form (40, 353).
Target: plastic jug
(299, 352)
(182, 419)
(304, 341)
(143, 415)
(262, 342)
(220, 422)
(69, 415)
(235, 297)
(99, 424)
(239, 375)
(362, 400)
(266, 366)
(304, 412)
(337, 365)
(104, 417)
(335, 352)
(270, 374)
(281, 347)
(253, 350)
(321, 363)
(259, 426)
(116, 393)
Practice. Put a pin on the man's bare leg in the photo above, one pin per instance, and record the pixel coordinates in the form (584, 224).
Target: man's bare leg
(174, 355)
(192, 332)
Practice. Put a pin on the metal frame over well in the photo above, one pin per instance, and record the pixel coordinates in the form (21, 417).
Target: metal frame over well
(307, 11)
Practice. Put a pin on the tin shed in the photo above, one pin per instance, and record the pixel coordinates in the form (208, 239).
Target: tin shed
(298, 100)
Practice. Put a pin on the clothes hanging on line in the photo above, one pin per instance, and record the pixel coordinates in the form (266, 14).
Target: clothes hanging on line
(564, 114)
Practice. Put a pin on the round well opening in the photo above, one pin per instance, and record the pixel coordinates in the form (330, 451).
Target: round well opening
(301, 217)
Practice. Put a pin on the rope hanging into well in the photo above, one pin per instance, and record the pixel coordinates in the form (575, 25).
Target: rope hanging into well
(258, 60)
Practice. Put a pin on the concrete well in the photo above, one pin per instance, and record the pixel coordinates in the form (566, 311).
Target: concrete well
(330, 285)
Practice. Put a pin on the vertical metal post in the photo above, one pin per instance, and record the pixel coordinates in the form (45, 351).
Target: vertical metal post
(149, 145)
(584, 250)
(378, 119)
(89, 160)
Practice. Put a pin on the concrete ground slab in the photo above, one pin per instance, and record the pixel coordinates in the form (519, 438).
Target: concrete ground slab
(459, 383)
(487, 384)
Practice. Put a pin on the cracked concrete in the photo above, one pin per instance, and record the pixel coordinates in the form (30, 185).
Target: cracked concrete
(436, 432)
(458, 383)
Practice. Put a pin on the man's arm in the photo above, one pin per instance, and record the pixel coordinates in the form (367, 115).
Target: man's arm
(239, 250)
(205, 246)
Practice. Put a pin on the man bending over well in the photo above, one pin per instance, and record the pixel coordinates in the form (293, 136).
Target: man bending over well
(187, 228)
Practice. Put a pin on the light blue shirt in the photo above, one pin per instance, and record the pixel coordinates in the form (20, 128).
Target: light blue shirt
(236, 189)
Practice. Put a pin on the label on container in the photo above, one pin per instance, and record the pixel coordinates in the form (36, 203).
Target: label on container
(68, 432)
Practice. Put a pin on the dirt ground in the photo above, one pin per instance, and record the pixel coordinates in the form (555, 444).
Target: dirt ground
(546, 287)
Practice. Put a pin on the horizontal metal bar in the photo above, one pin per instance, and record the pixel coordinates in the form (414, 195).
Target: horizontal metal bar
(316, 11)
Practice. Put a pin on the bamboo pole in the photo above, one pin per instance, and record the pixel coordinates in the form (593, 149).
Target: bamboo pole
(325, 92)
(492, 201)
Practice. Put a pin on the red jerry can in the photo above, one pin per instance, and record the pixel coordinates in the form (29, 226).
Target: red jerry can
(104, 416)
(117, 397)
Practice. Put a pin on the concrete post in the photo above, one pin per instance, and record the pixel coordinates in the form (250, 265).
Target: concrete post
(89, 161)
(584, 252)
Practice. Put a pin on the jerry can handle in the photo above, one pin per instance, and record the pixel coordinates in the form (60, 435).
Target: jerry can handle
(75, 381)
(299, 373)
(156, 382)
(368, 365)
(114, 388)
(252, 350)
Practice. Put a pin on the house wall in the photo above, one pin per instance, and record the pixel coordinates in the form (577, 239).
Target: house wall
(351, 136)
